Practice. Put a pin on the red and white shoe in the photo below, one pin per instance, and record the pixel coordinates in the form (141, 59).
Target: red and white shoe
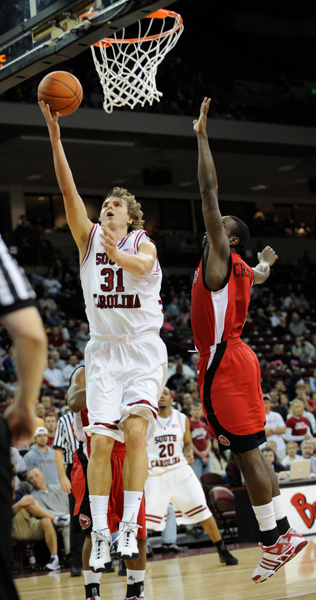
(298, 541)
(272, 558)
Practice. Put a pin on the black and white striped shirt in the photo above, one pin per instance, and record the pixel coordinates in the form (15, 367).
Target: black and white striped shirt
(64, 438)
(15, 289)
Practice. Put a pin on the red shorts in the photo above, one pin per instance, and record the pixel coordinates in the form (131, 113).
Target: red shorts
(232, 397)
(116, 501)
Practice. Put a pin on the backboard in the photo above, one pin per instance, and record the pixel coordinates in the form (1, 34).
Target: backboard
(36, 35)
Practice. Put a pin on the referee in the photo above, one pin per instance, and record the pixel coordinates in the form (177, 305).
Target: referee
(64, 445)
(20, 317)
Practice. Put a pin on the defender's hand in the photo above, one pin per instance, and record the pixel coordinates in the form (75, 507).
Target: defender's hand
(199, 125)
(268, 255)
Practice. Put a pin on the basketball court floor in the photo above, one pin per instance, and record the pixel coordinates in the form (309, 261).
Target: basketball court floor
(191, 577)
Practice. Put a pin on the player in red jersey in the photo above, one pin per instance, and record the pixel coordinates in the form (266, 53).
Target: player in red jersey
(76, 399)
(228, 370)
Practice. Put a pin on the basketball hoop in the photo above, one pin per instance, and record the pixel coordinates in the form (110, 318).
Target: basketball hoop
(127, 67)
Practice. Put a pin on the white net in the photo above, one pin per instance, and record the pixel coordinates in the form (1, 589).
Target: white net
(127, 67)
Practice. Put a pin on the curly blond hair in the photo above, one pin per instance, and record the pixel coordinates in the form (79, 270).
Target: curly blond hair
(134, 207)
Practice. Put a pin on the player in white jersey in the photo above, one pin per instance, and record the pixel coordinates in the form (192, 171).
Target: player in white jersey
(171, 479)
(126, 360)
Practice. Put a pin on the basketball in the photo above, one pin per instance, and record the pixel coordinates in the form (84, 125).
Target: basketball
(62, 91)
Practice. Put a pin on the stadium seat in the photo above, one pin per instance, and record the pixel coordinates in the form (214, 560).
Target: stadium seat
(221, 502)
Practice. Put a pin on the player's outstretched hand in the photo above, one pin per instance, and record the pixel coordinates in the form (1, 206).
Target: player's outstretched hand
(268, 255)
(199, 125)
(51, 121)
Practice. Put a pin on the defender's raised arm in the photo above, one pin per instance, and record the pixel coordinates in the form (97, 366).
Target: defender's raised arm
(208, 186)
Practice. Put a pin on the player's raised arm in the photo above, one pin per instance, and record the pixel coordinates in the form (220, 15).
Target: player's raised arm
(266, 259)
(209, 188)
(76, 213)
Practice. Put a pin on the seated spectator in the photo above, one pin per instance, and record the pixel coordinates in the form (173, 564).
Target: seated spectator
(56, 340)
(47, 302)
(307, 449)
(187, 400)
(52, 498)
(40, 411)
(201, 440)
(184, 331)
(11, 385)
(41, 456)
(276, 404)
(53, 376)
(218, 458)
(8, 361)
(262, 320)
(173, 308)
(281, 471)
(70, 367)
(50, 425)
(19, 466)
(186, 370)
(48, 404)
(69, 331)
(177, 381)
(32, 522)
(309, 405)
(274, 427)
(281, 329)
(297, 426)
(167, 325)
(291, 454)
(51, 284)
(297, 326)
(60, 363)
(233, 472)
(312, 381)
(302, 349)
(82, 337)
(279, 354)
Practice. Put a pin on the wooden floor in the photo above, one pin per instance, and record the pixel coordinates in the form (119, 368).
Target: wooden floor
(198, 577)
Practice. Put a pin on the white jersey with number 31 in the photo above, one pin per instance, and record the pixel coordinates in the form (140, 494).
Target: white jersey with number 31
(117, 302)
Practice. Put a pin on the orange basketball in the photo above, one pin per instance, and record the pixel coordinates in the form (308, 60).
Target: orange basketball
(62, 91)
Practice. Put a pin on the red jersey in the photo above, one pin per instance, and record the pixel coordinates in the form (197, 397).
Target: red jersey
(299, 426)
(200, 434)
(220, 316)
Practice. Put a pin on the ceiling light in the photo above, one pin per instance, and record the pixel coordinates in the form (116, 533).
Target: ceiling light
(34, 177)
(258, 187)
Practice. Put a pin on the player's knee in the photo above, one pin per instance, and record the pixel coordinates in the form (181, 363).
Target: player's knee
(101, 445)
(135, 435)
(46, 523)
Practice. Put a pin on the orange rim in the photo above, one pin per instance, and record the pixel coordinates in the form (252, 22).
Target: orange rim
(158, 14)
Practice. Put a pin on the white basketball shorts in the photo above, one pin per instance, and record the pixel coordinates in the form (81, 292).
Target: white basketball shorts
(179, 487)
(123, 378)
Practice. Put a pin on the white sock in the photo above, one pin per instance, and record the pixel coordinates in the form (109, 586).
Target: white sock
(99, 512)
(90, 577)
(278, 508)
(54, 556)
(134, 576)
(132, 502)
(265, 516)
